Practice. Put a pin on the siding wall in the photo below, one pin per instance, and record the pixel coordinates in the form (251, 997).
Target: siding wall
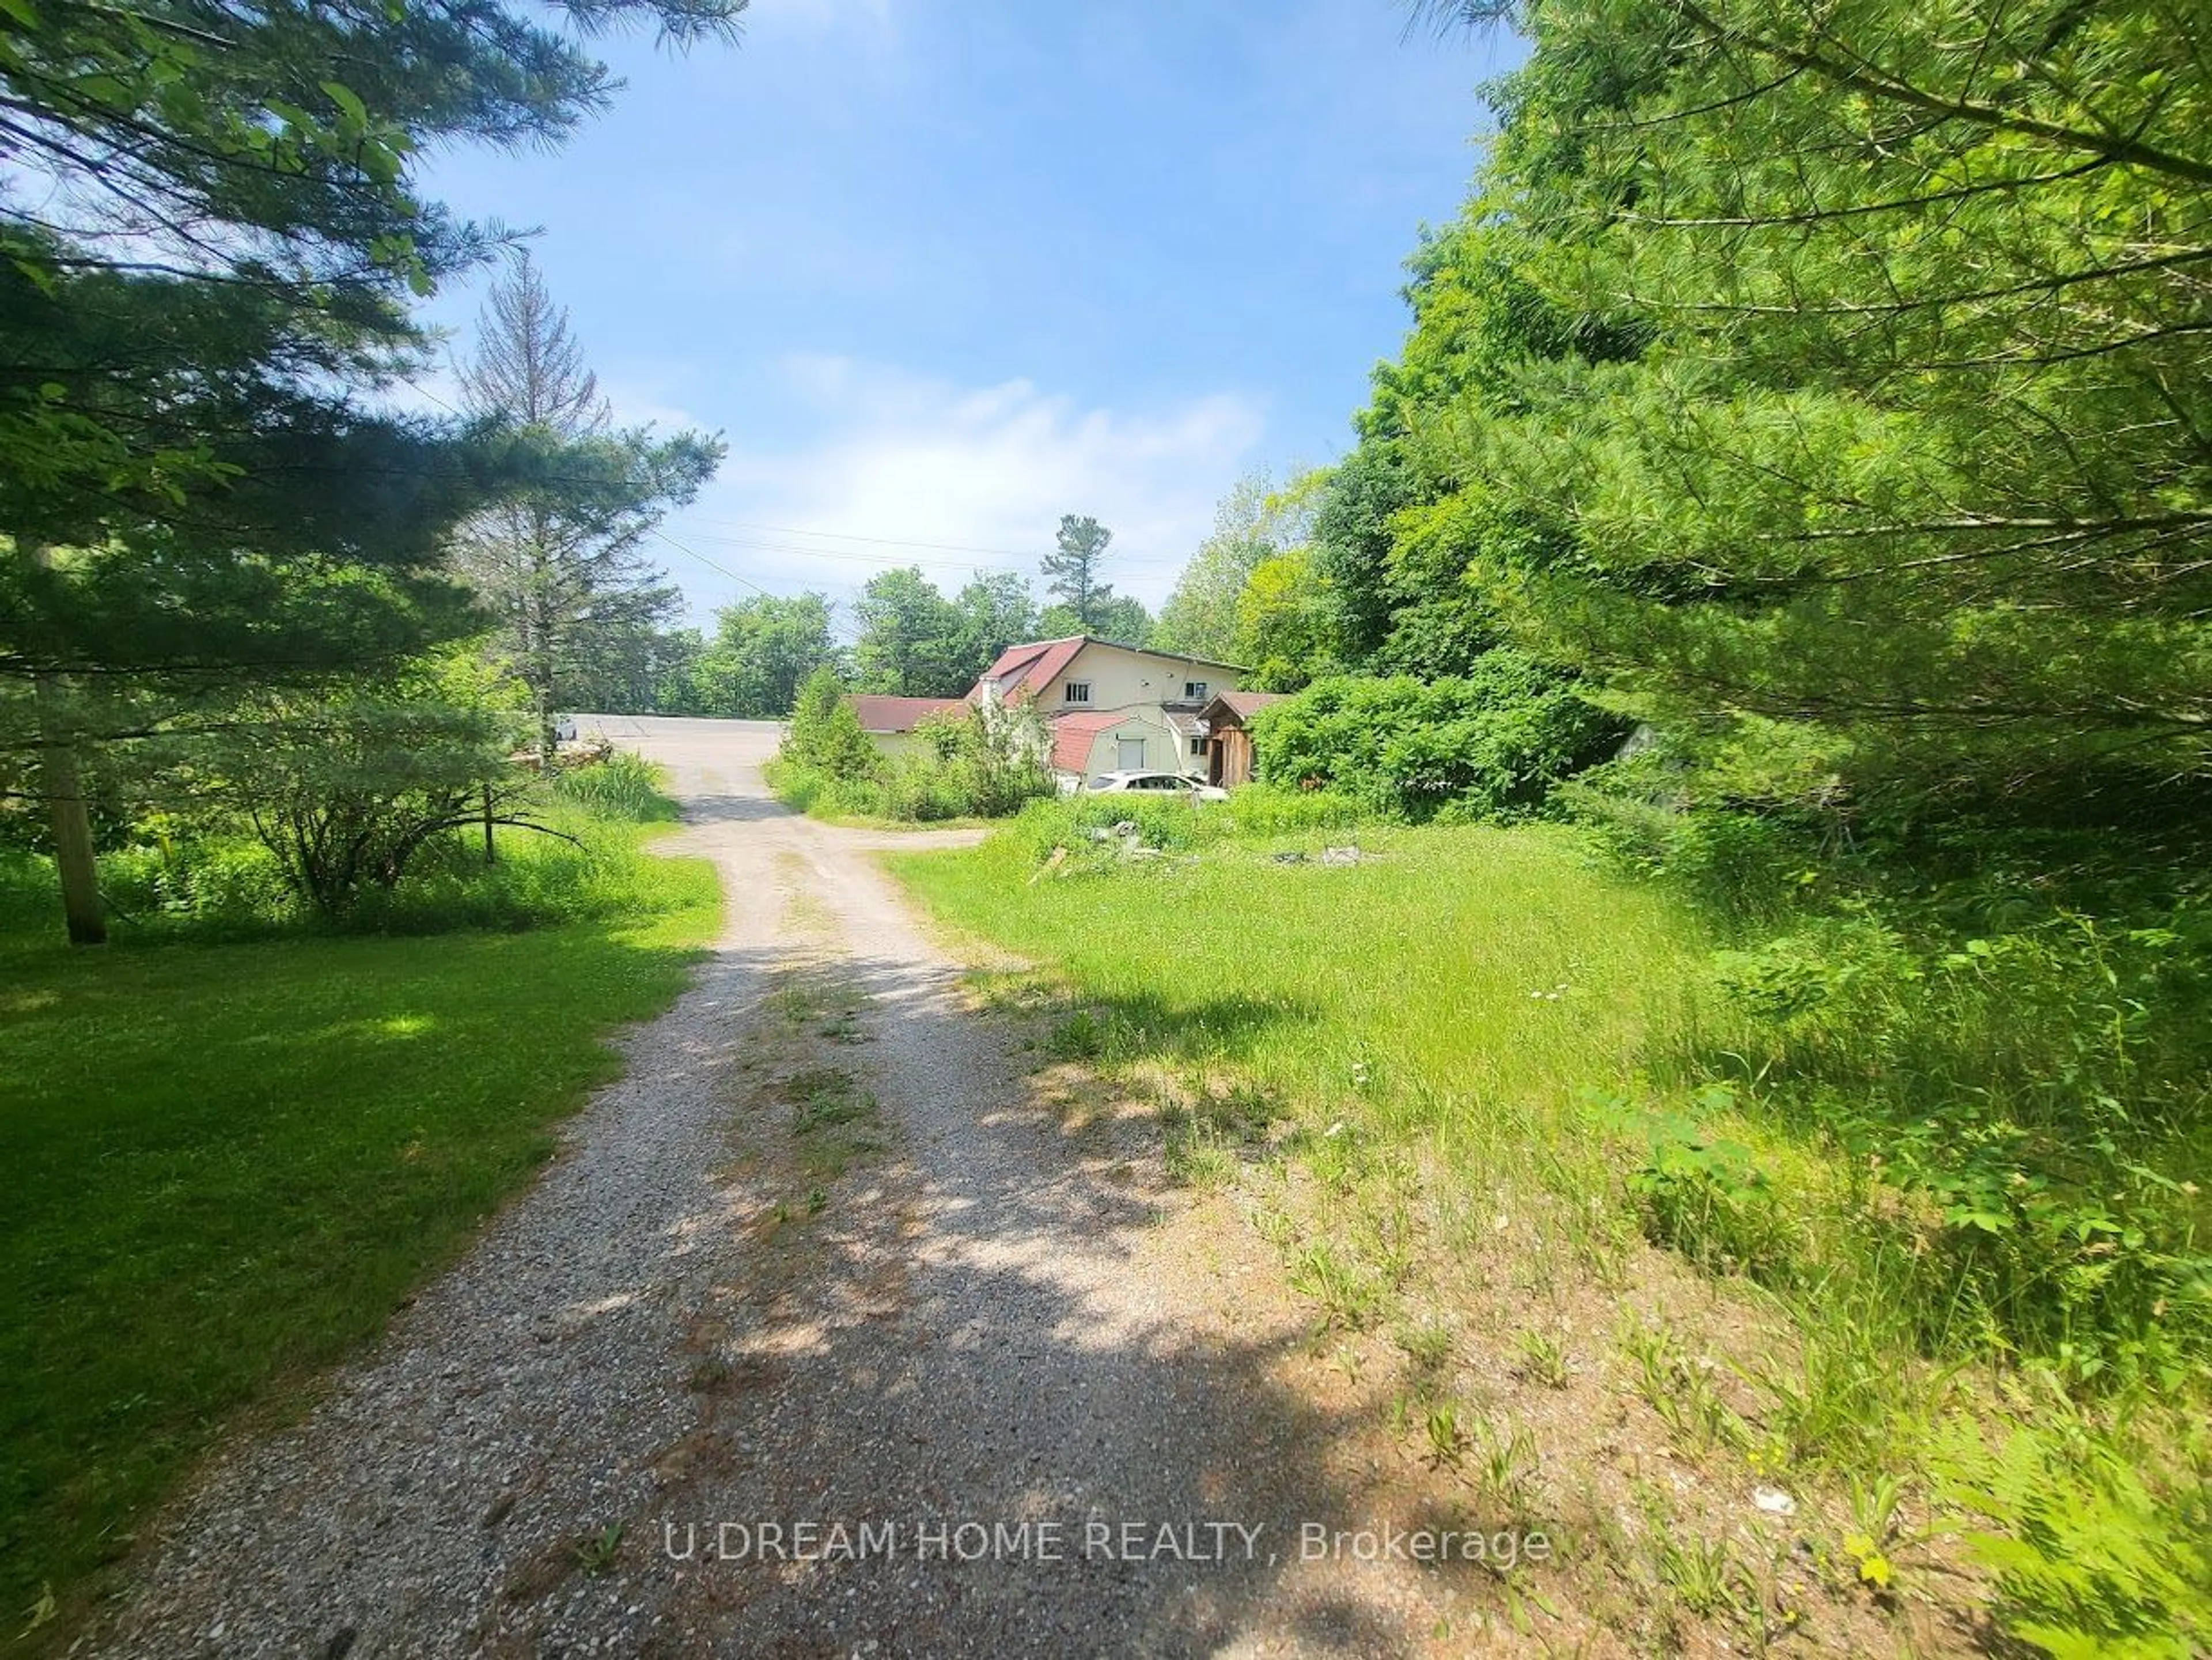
(1122, 678)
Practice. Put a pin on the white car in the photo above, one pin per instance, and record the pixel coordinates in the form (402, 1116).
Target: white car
(1154, 783)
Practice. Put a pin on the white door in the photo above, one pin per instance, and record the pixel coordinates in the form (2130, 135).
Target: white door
(1131, 754)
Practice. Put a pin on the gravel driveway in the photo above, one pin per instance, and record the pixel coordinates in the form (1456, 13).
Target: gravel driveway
(827, 1335)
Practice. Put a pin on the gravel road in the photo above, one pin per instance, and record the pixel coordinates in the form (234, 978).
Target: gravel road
(826, 1335)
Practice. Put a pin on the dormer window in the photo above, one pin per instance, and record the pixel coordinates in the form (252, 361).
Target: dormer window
(1076, 691)
(1194, 691)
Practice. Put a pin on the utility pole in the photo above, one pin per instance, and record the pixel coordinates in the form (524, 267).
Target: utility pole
(63, 787)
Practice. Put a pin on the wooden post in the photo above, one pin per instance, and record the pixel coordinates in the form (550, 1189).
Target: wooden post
(63, 787)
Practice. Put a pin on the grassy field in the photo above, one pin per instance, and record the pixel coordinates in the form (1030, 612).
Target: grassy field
(1452, 967)
(229, 1163)
(1486, 1079)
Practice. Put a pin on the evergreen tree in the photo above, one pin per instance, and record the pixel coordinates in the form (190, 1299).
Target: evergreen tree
(1912, 460)
(560, 562)
(211, 232)
(1072, 571)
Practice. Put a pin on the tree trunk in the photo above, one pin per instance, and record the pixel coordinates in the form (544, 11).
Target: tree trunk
(491, 847)
(64, 792)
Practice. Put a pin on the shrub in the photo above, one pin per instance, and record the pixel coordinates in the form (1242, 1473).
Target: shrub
(227, 885)
(2018, 1110)
(824, 735)
(1489, 745)
(982, 762)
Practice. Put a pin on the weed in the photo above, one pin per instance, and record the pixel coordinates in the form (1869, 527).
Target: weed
(1348, 1296)
(833, 1119)
(1681, 1391)
(1504, 1465)
(1080, 1037)
(596, 1554)
(1273, 1223)
(1200, 1161)
(1702, 1574)
(708, 1373)
(1829, 1406)
(1428, 1346)
(1543, 1358)
(1449, 1439)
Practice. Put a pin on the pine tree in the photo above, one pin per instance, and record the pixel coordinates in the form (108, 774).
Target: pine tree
(562, 564)
(1072, 570)
(1911, 461)
(211, 233)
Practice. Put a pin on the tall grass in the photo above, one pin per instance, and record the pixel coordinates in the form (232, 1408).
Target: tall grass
(623, 787)
(1985, 1150)
(1469, 984)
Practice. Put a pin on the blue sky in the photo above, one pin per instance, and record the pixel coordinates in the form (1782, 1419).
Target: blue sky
(940, 271)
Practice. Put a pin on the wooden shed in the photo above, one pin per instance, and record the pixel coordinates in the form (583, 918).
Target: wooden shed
(1228, 739)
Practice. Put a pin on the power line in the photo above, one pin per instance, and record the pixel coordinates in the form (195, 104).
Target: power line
(850, 557)
(836, 623)
(884, 541)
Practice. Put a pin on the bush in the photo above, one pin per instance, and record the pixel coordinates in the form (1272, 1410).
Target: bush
(224, 885)
(2018, 1109)
(824, 735)
(983, 763)
(1742, 869)
(1489, 745)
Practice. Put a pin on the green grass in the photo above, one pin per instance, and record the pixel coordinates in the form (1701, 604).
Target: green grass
(229, 1163)
(1460, 976)
(1537, 1026)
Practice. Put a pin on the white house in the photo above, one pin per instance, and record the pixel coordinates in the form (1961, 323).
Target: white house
(1111, 707)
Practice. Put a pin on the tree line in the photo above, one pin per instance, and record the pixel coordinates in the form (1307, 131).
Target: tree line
(905, 637)
(1829, 389)
(227, 558)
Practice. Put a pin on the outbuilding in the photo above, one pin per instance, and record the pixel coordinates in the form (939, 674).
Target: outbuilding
(890, 722)
(1227, 719)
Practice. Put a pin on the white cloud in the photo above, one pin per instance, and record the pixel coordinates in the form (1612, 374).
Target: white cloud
(911, 459)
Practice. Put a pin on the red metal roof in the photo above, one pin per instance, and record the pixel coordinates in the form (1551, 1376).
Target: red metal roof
(1073, 735)
(879, 712)
(1244, 704)
(1032, 667)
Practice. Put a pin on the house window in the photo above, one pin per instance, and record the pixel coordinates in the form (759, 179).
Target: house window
(1077, 691)
(1198, 746)
(1194, 691)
